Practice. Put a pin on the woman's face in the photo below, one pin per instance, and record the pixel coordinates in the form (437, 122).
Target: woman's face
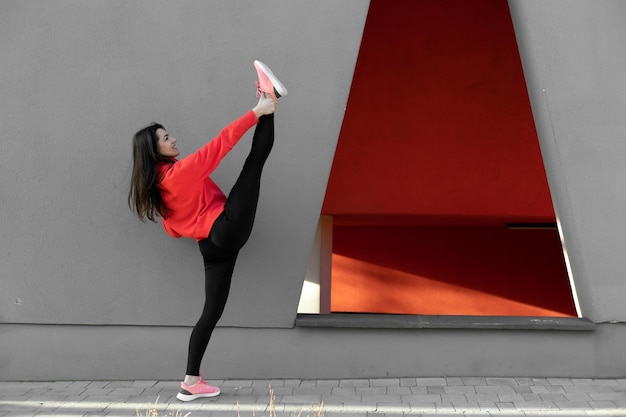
(166, 144)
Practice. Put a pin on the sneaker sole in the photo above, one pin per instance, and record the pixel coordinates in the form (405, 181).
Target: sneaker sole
(190, 397)
(278, 86)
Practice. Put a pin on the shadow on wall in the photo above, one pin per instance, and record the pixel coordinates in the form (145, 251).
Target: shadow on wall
(449, 270)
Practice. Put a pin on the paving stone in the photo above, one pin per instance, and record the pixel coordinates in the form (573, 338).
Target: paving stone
(527, 388)
(482, 398)
(524, 381)
(343, 399)
(473, 380)
(570, 405)
(536, 405)
(453, 398)
(466, 407)
(424, 407)
(97, 384)
(619, 404)
(505, 406)
(460, 389)
(531, 397)
(236, 383)
(221, 414)
(155, 392)
(313, 390)
(119, 384)
(354, 383)
(109, 391)
(452, 381)
(99, 399)
(548, 389)
(560, 381)
(262, 383)
(259, 391)
(433, 415)
(292, 382)
(143, 384)
(418, 399)
(14, 390)
(387, 382)
(606, 382)
(501, 381)
(277, 391)
(167, 384)
(308, 383)
(408, 382)
(419, 390)
(38, 384)
(327, 383)
(398, 390)
(494, 389)
(125, 392)
(603, 405)
(365, 391)
(301, 399)
(583, 381)
(607, 396)
(17, 406)
(587, 389)
(239, 391)
(540, 381)
(445, 407)
(393, 408)
(621, 388)
(15, 414)
(430, 382)
(553, 397)
(275, 383)
(345, 391)
(435, 390)
(173, 407)
(361, 408)
(376, 399)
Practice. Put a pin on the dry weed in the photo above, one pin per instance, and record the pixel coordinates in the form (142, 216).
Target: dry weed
(151, 411)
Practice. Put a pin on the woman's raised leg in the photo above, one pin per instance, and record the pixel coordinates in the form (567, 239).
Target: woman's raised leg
(232, 228)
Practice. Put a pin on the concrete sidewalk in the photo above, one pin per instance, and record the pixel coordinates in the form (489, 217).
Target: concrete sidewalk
(452, 396)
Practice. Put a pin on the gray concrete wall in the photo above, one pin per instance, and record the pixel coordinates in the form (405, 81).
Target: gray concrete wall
(130, 352)
(574, 58)
(77, 79)
(88, 292)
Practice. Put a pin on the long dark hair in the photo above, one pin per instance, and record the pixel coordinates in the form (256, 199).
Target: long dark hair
(144, 196)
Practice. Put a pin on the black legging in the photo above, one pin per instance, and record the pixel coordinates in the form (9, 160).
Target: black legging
(229, 233)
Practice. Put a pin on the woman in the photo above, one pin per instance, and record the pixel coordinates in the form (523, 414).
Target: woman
(191, 205)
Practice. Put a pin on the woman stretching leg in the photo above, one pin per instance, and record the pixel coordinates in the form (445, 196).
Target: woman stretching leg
(228, 234)
(164, 186)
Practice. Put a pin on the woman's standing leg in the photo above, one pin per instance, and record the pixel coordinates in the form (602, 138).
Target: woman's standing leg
(218, 271)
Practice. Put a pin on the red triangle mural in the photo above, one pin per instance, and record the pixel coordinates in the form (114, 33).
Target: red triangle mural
(437, 154)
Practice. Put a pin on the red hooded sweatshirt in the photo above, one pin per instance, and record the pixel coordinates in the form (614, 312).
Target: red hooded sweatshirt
(192, 199)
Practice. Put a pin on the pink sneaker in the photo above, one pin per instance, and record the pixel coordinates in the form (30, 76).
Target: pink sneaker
(199, 390)
(268, 83)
